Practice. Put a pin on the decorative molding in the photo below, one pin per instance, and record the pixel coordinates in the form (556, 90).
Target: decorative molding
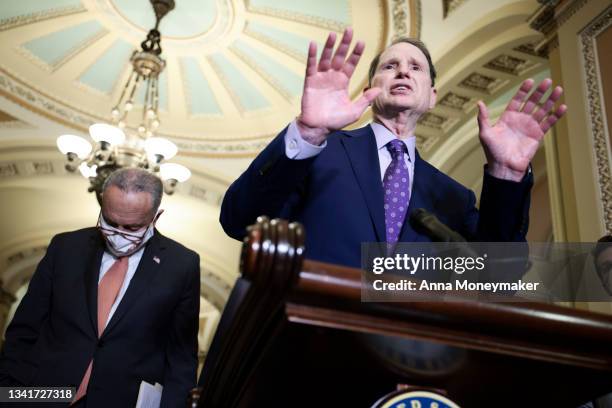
(482, 83)
(549, 17)
(509, 64)
(213, 288)
(567, 10)
(28, 168)
(448, 6)
(67, 57)
(455, 101)
(16, 124)
(8, 170)
(530, 49)
(543, 20)
(432, 120)
(602, 148)
(6, 298)
(400, 11)
(401, 25)
(35, 252)
(299, 56)
(33, 100)
(8, 23)
(207, 195)
(425, 143)
(326, 23)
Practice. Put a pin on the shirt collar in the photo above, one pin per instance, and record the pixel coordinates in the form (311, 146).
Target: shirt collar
(384, 136)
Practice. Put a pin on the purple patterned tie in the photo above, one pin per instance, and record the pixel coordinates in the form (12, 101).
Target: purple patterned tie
(397, 191)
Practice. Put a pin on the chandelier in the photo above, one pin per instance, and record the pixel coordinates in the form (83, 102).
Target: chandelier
(116, 144)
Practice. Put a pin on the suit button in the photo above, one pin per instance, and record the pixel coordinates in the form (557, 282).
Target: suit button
(100, 343)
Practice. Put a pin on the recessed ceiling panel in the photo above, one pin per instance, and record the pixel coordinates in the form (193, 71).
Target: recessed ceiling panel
(20, 8)
(104, 73)
(200, 98)
(238, 84)
(57, 46)
(284, 80)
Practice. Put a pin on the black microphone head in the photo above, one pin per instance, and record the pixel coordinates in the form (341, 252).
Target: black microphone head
(418, 214)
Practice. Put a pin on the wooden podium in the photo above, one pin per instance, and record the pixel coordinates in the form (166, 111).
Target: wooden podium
(295, 333)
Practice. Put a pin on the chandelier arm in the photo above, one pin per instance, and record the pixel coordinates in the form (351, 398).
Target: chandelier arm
(125, 88)
(146, 104)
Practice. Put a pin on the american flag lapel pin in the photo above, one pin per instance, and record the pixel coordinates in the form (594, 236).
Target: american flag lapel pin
(156, 259)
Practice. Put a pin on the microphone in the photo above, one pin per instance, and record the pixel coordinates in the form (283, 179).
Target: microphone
(433, 227)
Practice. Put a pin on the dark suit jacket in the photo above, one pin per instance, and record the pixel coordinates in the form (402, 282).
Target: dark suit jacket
(338, 197)
(152, 335)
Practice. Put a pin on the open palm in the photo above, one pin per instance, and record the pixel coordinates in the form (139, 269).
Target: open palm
(512, 142)
(326, 104)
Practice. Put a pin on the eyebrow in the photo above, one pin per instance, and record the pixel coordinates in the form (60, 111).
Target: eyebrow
(396, 59)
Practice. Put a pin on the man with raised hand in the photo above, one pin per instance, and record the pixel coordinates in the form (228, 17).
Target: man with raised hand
(352, 187)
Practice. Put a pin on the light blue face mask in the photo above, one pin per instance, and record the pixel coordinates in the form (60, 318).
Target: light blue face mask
(121, 243)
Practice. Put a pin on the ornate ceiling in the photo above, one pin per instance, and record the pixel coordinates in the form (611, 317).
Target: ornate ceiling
(233, 79)
(234, 68)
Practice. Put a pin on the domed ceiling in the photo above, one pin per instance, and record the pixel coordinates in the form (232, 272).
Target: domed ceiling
(233, 79)
(234, 67)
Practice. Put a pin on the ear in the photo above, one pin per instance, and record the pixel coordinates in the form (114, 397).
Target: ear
(159, 212)
(433, 97)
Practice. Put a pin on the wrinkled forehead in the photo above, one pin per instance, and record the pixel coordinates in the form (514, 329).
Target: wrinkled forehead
(126, 203)
(403, 51)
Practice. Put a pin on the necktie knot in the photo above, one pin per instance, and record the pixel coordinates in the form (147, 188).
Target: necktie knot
(396, 147)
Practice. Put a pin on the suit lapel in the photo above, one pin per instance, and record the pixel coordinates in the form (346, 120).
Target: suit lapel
(148, 267)
(420, 197)
(91, 278)
(360, 144)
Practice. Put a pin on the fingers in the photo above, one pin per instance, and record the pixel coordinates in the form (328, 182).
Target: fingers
(338, 60)
(553, 118)
(535, 97)
(365, 100)
(325, 61)
(520, 96)
(311, 62)
(548, 105)
(353, 59)
(483, 115)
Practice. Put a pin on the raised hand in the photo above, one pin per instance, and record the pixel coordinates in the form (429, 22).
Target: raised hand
(512, 142)
(326, 104)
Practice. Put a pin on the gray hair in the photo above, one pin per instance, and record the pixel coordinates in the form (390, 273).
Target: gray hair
(133, 180)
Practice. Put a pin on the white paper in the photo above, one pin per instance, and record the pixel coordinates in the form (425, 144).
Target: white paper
(149, 396)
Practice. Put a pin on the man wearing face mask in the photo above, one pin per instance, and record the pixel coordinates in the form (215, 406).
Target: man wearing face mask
(111, 306)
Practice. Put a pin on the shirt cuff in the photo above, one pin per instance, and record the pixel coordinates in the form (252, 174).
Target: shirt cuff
(297, 148)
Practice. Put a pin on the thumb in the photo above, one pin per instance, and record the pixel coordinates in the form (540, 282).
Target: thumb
(483, 115)
(366, 99)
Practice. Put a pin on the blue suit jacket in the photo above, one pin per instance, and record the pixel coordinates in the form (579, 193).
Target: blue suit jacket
(338, 197)
(152, 335)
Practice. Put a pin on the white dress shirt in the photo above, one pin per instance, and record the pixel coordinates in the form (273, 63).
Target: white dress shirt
(297, 148)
